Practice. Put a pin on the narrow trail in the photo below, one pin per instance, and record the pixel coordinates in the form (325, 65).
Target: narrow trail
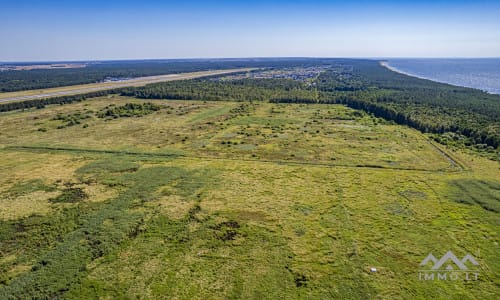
(214, 158)
(453, 162)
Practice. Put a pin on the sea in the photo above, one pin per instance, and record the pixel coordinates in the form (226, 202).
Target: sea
(478, 73)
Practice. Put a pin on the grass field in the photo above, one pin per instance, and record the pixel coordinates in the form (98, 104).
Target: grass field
(227, 200)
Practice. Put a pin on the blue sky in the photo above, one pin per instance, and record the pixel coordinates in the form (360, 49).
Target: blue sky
(91, 30)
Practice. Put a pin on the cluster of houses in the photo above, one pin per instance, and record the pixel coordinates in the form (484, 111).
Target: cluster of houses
(301, 74)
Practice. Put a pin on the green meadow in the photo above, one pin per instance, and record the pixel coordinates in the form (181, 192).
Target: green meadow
(118, 198)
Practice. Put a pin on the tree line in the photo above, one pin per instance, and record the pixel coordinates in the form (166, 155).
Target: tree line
(19, 80)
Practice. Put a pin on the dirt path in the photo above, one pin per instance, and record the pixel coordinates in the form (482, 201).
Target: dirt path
(453, 163)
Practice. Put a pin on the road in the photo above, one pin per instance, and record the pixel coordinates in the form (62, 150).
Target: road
(86, 88)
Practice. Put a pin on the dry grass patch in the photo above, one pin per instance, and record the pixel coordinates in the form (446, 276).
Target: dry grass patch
(26, 205)
(99, 192)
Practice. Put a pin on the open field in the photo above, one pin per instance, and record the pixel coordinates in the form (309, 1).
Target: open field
(233, 200)
(93, 87)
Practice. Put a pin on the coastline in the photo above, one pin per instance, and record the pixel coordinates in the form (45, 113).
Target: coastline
(385, 64)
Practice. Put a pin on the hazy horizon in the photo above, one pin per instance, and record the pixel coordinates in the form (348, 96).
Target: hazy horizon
(248, 58)
(56, 30)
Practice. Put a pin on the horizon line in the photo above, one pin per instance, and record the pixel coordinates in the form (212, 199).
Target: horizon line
(249, 57)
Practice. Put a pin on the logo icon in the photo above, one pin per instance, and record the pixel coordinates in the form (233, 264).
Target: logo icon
(449, 267)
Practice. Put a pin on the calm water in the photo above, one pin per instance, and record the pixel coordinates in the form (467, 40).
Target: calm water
(483, 74)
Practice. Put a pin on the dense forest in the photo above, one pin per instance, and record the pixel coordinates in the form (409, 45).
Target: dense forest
(456, 115)
(234, 90)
